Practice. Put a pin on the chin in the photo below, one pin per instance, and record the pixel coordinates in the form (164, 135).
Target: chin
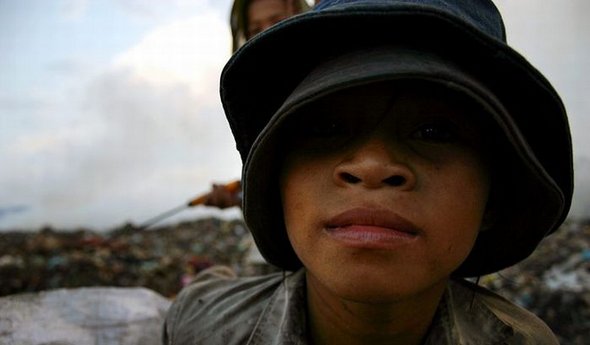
(369, 285)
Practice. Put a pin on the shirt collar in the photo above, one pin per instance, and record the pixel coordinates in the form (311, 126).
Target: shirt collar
(461, 317)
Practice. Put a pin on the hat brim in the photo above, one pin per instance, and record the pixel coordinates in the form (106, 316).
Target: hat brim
(259, 88)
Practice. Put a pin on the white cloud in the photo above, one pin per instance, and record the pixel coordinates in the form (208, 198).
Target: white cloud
(199, 42)
(145, 135)
(191, 51)
(156, 8)
(148, 133)
(74, 9)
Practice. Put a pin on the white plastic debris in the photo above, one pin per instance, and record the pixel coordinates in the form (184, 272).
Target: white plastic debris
(93, 316)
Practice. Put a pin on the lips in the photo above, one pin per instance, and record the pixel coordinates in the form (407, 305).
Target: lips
(373, 217)
(371, 227)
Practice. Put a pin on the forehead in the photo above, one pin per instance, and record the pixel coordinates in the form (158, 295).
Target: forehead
(255, 6)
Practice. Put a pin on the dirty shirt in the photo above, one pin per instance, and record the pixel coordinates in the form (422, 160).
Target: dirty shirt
(220, 309)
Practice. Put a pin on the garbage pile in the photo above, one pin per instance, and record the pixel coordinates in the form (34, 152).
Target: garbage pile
(554, 283)
(163, 259)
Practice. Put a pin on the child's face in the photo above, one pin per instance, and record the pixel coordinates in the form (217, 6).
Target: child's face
(383, 195)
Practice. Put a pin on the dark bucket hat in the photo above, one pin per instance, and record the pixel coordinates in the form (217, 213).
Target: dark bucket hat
(460, 45)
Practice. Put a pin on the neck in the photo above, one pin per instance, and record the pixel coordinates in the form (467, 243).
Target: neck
(336, 320)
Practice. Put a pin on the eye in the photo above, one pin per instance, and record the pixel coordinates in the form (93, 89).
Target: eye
(436, 132)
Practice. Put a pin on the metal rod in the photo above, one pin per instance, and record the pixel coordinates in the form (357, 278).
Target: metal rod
(162, 216)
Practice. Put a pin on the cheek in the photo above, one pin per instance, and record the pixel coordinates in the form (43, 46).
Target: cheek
(304, 180)
(295, 187)
(300, 187)
(462, 197)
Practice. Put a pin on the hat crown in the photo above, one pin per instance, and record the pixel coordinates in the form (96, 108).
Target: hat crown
(482, 14)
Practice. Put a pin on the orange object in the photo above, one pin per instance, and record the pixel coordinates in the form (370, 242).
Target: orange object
(221, 196)
(231, 188)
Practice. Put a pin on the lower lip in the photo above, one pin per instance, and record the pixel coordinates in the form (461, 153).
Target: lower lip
(370, 236)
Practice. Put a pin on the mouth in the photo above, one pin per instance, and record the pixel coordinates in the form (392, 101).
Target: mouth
(367, 227)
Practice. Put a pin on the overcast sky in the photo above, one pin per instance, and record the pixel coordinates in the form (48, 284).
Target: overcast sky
(109, 109)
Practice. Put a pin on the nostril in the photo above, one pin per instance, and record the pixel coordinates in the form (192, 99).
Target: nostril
(349, 178)
(395, 180)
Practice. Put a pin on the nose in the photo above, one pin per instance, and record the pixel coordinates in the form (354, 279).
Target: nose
(375, 164)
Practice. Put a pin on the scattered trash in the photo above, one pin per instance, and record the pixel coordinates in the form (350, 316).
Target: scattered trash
(163, 259)
(554, 283)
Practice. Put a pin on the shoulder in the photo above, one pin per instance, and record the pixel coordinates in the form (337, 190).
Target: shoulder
(497, 315)
(218, 308)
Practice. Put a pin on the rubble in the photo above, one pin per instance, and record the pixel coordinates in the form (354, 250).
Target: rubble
(163, 259)
(554, 283)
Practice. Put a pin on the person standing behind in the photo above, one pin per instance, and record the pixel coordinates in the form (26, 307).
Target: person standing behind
(250, 17)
